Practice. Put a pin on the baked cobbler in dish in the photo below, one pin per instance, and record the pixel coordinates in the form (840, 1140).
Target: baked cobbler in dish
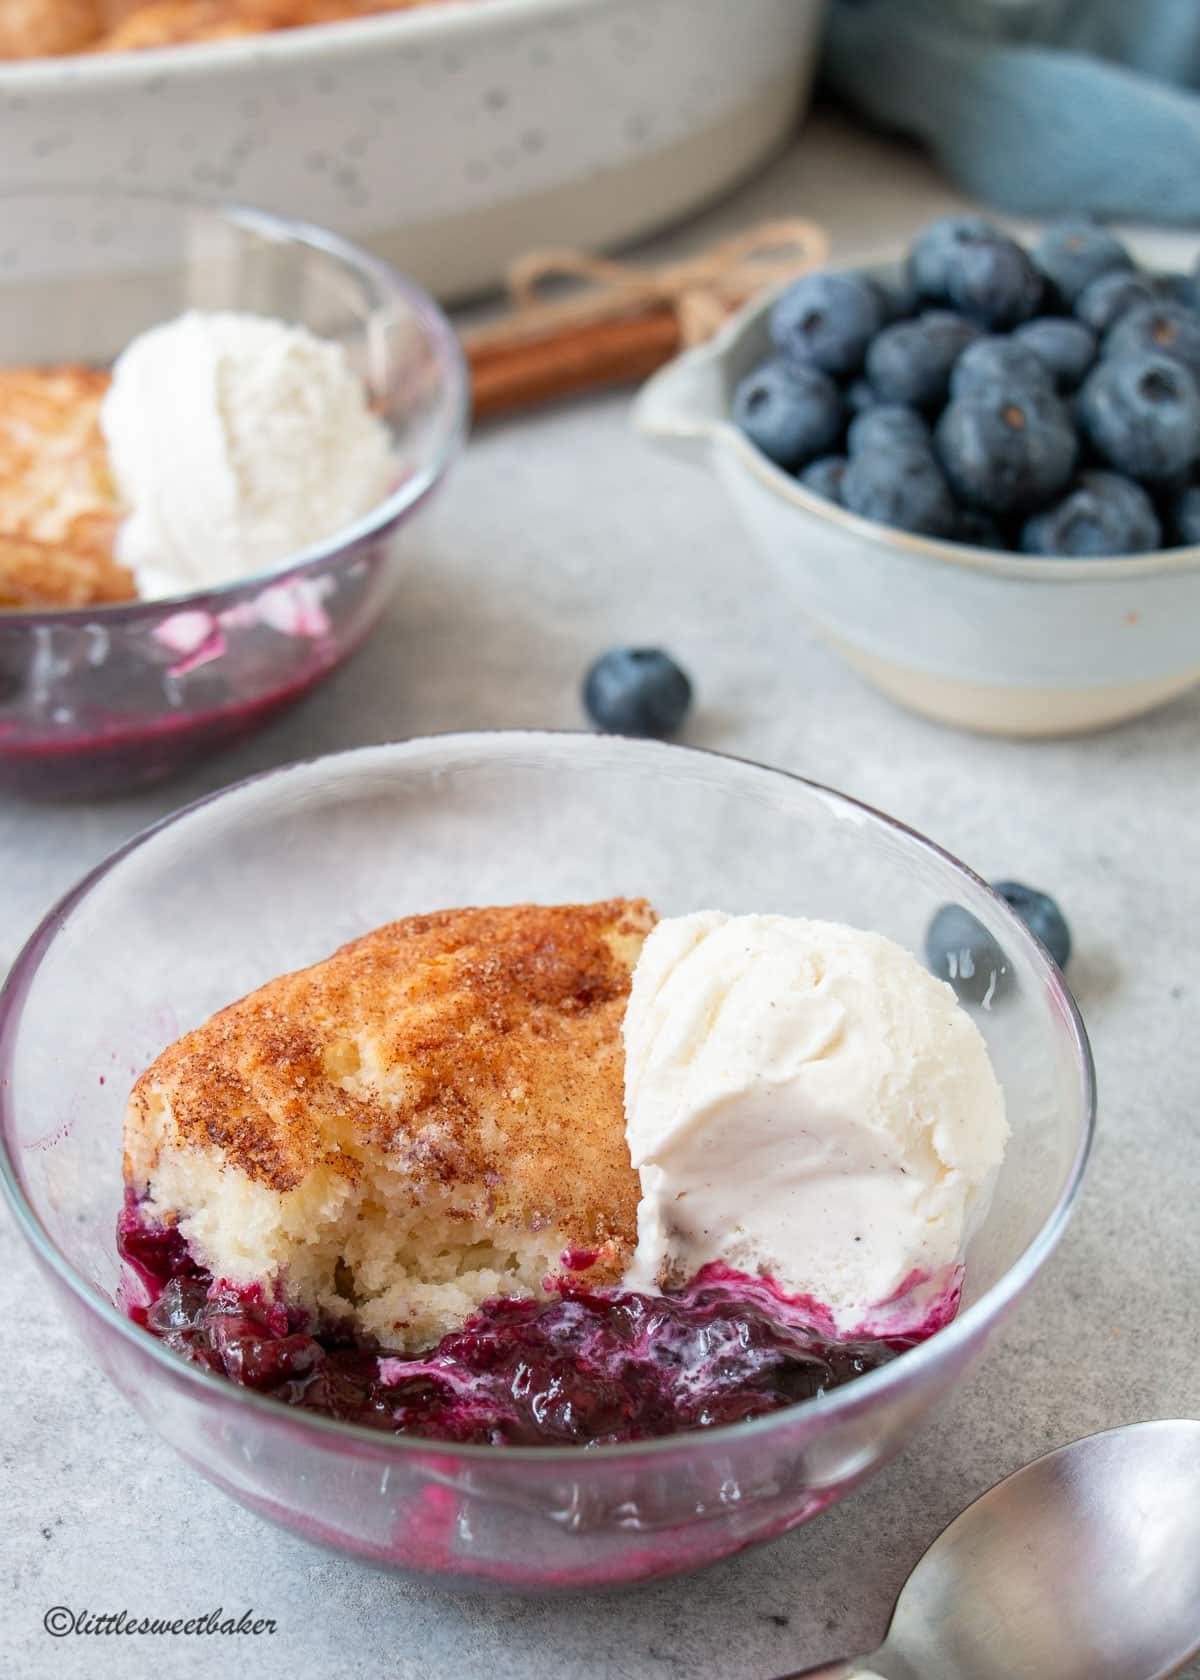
(430, 1117)
(563, 1173)
(220, 445)
(54, 28)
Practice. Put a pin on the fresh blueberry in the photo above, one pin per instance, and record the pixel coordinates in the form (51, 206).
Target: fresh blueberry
(826, 321)
(1041, 916)
(958, 948)
(1185, 516)
(1104, 514)
(1067, 347)
(792, 413)
(980, 530)
(1141, 414)
(637, 691)
(992, 364)
(1105, 299)
(900, 299)
(902, 488)
(938, 248)
(1006, 453)
(888, 426)
(860, 396)
(1177, 288)
(1158, 329)
(824, 477)
(994, 283)
(1074, 252)
(910, 362)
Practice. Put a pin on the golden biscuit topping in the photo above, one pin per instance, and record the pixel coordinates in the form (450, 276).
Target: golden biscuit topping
(474, 1056)
(58, 508)
(51, 28)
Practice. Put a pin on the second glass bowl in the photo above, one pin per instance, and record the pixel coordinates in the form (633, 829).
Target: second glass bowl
(95, 700)
(274, 874)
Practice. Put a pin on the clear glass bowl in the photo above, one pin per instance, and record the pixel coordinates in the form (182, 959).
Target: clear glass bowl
(275, 873)
(93, 700)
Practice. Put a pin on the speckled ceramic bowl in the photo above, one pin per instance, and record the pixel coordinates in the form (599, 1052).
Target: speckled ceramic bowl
(997, 642)
(449, 138)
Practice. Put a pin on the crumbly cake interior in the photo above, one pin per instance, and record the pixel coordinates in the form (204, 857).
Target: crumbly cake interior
(58, 507)
(431, 1117)
(53, 28)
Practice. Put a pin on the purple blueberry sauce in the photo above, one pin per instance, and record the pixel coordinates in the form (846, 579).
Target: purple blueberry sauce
(578, 1367)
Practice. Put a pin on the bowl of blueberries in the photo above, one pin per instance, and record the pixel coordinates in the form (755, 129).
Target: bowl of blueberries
(977, 468)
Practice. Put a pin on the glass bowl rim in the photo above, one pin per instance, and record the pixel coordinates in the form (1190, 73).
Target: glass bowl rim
(852, 1398)
(393, 287)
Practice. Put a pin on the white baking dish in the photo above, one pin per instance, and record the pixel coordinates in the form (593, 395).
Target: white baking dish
(449, 138)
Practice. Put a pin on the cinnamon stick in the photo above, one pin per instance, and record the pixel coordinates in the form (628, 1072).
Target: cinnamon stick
(619, 323)
(587, 357)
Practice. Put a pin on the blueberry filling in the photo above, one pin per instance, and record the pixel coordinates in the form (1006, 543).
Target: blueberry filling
(580, 1367)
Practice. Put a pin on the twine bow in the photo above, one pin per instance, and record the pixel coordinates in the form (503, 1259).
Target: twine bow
(700, 291)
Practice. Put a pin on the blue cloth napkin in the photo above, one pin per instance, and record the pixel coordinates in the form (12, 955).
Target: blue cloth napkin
(1038, 106)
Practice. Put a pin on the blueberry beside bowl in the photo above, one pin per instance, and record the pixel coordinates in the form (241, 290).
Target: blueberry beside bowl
(98, 699)
(989, 537)
(359, 839)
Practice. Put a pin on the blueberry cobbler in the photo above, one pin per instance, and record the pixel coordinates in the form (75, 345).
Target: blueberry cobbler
(218, 445)
(563, 1174)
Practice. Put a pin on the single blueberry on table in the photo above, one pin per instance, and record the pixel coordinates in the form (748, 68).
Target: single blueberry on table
(1162, 329)
(888, 426)
(637, 691)
(940, 245)
(1072, 253)
(1141, 414)
(911, 361)
(994, 283)
(1105, 299)
(1104, 514)
(1041, 916)
(1004, 453)
(1067, 347)
(999, 363)
(1184, 516)
(959, 949)
(902, 488)
(826, 321)
(824, 477)
(792, 413)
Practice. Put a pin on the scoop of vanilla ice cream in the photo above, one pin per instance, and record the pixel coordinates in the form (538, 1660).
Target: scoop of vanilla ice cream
(235, 441)
(804, 1100)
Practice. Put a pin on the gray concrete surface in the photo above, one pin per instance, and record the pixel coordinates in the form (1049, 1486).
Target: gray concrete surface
(557, 536)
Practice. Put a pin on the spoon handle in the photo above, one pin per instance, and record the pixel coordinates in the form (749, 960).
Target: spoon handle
(858, 1668)
(826, 1671)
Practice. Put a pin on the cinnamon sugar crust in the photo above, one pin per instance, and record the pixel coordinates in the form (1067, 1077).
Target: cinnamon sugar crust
(466, 1064)
(59, 510)
(52, 28)
(172, 23)
(38, 574)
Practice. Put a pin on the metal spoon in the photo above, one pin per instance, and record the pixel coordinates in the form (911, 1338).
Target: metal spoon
(1085, 1565)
